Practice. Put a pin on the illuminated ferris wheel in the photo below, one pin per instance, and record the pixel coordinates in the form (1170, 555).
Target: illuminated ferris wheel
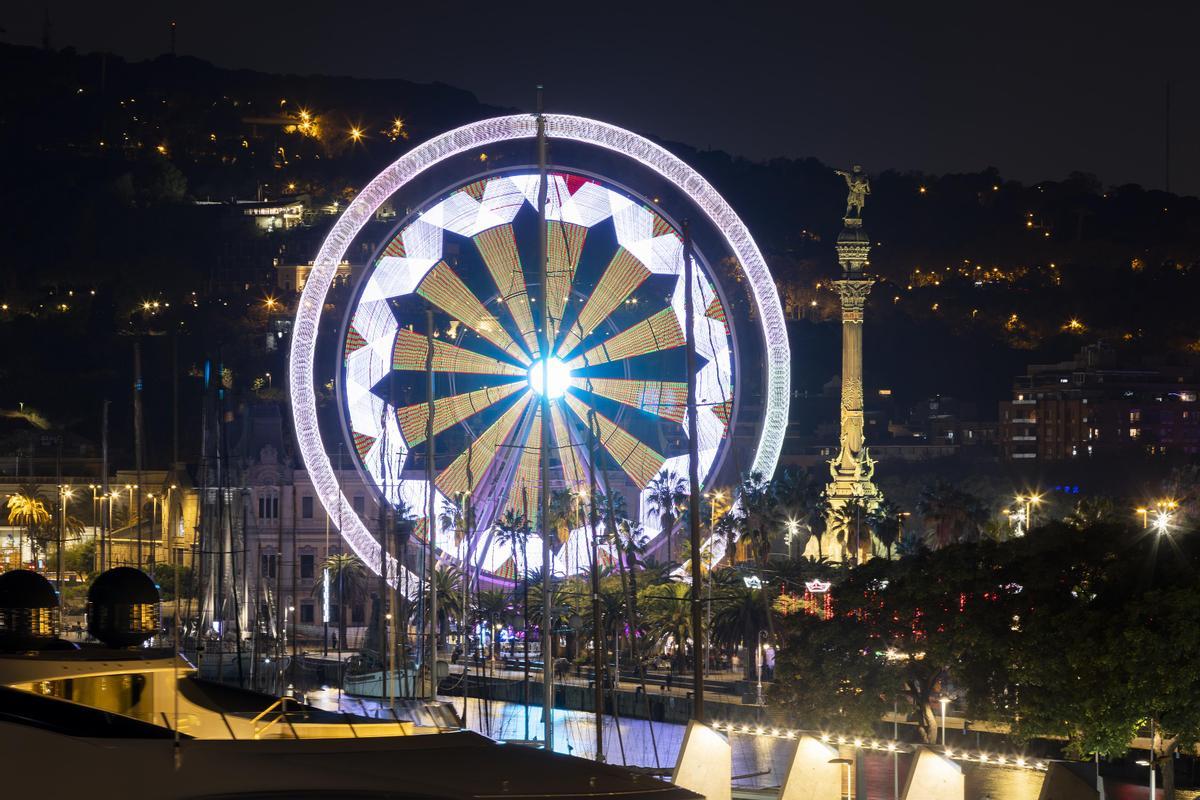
(453, 301)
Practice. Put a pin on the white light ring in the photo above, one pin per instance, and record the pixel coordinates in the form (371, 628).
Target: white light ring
(480, 134)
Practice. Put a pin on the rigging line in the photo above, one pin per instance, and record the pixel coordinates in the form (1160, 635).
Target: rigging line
(629, 588)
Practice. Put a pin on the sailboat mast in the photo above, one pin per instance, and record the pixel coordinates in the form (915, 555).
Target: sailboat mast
(693, 481)
(599, 638)
(431, 519)
(544, 484)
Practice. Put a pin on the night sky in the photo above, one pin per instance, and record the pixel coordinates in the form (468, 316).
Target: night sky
(1035, 89)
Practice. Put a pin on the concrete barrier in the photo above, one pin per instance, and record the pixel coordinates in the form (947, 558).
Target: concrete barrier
(705, 764)
(1068, 782)
(811, 776)
(934, 777)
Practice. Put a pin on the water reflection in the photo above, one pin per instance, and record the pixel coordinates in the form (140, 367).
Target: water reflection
(761, 762)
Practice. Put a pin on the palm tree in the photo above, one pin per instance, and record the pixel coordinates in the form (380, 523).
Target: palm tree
(560, 511)
(513, 530)
(955, 515)
(667, 615)
(801, 499)
(739, 616)
(562, 607)
(27, 508)
(447, 580)
(1092, 511)
(348, 581)
(666, 498)
(849, 521)
(888, 525)
(492, 606)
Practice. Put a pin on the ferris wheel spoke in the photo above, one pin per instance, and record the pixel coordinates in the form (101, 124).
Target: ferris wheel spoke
(637, 459)
(411, 349)
(498, 247)
(568, 454)
(660, 331)
(564, 246)
(481, 453)
(666, 399)
(446, 290)
(526, 480)
(448, 411)
(621, 277)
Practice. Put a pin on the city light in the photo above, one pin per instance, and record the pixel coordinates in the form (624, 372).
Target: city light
(888, 746)
(471, 138)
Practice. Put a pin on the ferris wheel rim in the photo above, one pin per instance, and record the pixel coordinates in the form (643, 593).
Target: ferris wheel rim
(456, 142)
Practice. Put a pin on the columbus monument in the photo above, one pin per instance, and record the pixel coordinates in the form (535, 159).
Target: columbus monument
(852, 496)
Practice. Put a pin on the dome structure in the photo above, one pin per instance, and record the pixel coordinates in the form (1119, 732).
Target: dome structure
(122, 608)
(28, 610)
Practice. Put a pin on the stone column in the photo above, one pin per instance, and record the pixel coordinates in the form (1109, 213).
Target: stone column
(853, 293)
(852, 468)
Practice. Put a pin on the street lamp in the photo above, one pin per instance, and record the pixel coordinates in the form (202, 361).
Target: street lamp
(945, 701)
(64, 494)
(1145, 516)
(759, 689)
(1025, 505)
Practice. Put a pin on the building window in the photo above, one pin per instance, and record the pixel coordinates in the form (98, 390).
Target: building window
(306, 507)
(357, 616)
(307, 565)
(268, 508)
(1135, 416)
(307, 613)
(267, 569)
(359, 505)
(1133, 433)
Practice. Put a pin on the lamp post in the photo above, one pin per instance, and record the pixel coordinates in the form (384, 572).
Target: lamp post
(945, 701)
(97, 506)
(64, 494)
(153, 522)
(715, 496)
(758, 697)
(129, 487)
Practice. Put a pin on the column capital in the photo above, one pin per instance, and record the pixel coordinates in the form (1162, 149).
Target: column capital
(853, 293)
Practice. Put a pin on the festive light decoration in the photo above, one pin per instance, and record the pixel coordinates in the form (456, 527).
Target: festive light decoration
(416, 251)
(638, 461)
(666, 399)
(449, 411)
(659, 332)
(526, 480)
(564, 246)
(568, 452)
(411, 349)
(881, 745)
(498, 246)
(480, 453)
(447, 291)
(621, 277)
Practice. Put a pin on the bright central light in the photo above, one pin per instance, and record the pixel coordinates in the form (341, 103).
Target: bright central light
(558, 378)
